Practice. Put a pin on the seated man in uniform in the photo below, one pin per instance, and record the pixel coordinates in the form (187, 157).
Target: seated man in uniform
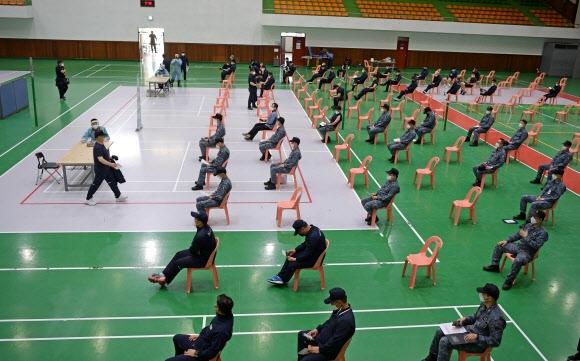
(220, 132)
(401, 143)
(360, 80)
(272, 142)
(395, 81)
(338, 96)
(490, 90)
(383, 196)
(290, 70)
(434, 84)
(423, 75)
(410, 89)
(451, 77)
(345, 66)
(196, 256)
(532, 236)
(303, 256)
(553, 92)
(268, 84)
(496, 160)
(518, 138)
(427, 126)
(264, 124)
(380, 125)
(319, 73)
(325, 341)
(455, 86)
(368, 89)
(551, 192)
(212, 338)
(560, 161)
(285, 166)
(95, 127)
(228, 69)
(222, 156)
(214, 200)
(484, 328)
(328, 79)
(334, 121)
(484, 126)
(470, 83)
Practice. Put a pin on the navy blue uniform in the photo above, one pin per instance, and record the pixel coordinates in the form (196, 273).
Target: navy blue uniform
(61, 81)
(395, 81)
(290, 72)
(102, 172)
(339, 97)
(209, 342)
(410, 89)
(434, 84)
(560, 161)
(253, 89)
(553, 92)
(306, 255)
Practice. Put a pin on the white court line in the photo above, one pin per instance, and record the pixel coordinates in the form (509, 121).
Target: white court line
(85, 70)
(106, 66)
(46, 125)
(181, 168)
(200, 105)
(204, 322)
(523, 334)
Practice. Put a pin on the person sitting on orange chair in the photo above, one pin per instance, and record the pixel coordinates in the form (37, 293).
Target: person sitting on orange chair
(553, 92)
(496, 160)
(383, 196)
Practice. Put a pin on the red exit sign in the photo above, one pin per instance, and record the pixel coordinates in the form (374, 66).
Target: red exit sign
(148, 3)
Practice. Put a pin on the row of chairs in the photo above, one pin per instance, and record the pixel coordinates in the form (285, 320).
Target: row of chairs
(12, 2)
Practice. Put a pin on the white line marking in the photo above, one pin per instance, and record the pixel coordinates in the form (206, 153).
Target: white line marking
(106, 66)
(85, 70)
(523, 334)
(200, 105)
(181, 168)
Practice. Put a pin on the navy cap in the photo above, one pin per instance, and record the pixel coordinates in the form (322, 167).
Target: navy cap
(202, 217)
(393, 171)
(540, 214)
(218, 116)
(489, 289)
(335, 295)
(298, 224)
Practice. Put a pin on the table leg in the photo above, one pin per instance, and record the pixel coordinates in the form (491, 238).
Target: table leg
(65, 178)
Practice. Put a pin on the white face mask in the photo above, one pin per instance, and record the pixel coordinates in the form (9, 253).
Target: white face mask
(95, 127)
(533, 220)
(554, 177)
(522, 125)
(182, 54)
(337, 111)
(497, 145)
(334, 308)
(488, 112)
(272, 108)
(564, 147)
(481, 297)
(408, 126)
(384, 110)
(390, 177)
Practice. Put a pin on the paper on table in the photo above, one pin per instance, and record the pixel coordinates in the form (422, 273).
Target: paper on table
(449, 329)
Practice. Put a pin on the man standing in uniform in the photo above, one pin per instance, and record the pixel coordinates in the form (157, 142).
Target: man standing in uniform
(551, 192)
(153, 42)
(401, 143)
(212, 339)
(518, 138)
(560, 161)
(484, 328)
(253, 89)
(383, 196)
(103, 171)
(220, 132)
(225, 186)
(196, 256)
(264, 124)
(61, 79)
(495, 160)
(285, 166)
(274, 139)
(166, 62)
(484, 125)
(338, 96)
(380, 125)
(325, 341)
(222, 156)
(427, 126)
(184, 65)
(303, 256)
(532, 236)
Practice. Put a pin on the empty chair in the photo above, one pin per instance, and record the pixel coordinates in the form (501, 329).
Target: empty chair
(363, 169)
(422, 260)
(483, 356)
(412, 117)
(478, 99)
(429, 170)
(312, 98)
(344, 146)
(224, 206)
(355, 107)
(387, 100)
(563, 113)
(533, 134)
(457, 148)
(399, 109)
(293, 203)
(302, 90)
(298, 84)
(466, 203)
(368, 117)
(511, 258)
(209, 266)
(314, 107)
(317, 267)
(43, 165)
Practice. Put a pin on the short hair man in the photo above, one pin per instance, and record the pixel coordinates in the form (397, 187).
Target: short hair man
(484, 328)
(325, 341)
(222, 156)
(264, 123)
(91, 132)
(489, 90)
(228, 69)
(383, 196)
(531, 237)
(210, 141)
(338, 96)
(268, 84)
(484, 126)
(435, 83)
(328, 79)
(290, 70)
(214, 200)
(451, 78)
(272, 142)
(212, 338)
(61, 78)
(395, 81)
(495, 160)
(427, 125)
(410, 89)
(285, 166)
(196, 256)
(361, 79)
(333, 122)
(380, 125)
(401, 143)
(455, 86)
(560, 161)
(518, 138)
(303, 256)
(551, 192)
(552, 92)
(368, 89)
(423, 75)
(103, 171)
(470, 83)
(320, 73)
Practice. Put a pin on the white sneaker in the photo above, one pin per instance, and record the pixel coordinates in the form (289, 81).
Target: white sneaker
(90, 202)
(122, 199)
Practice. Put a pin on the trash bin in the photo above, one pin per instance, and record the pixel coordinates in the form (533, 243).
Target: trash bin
(276, 62)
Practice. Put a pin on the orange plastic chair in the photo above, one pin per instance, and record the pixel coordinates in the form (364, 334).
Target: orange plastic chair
(223, 96)
(427, 102)
(209, 266)
(224, 206)
(465, 203)
(291, 173)
(563, 113)
(312, 98)
(494, 179)
(548, 210)
(422, 260)
(429, 170)
(208, 174)
(457, 147)
(495, 111)
(489, 77)
(304, 90)
(368, 117)
(512, 152)
(353, 108)
(530, 89)
(270, 93)
(298, 84)
(440, 112)
(314, 107)
(320, 117)
(273, 130)
(350, 78)
(293, 203)
(263, 103)
(318, 266)
(511, 258)
(574, 148)
(362, 169)
(388, 99)
(340, 356)
(530, 112)
(388, 208)
(456, 95)
(431, 134)
(478, 99)
(407, 153)
(533, 134)
(278, 148)
(412, 117)
(399, 109)
(346, 145)
(483, 356)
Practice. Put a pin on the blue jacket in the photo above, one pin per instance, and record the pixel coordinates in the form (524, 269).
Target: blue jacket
(486, 122)
(536, 238)
(90, 133)
(312, 247)
(388, 191)
(519, 137)
(561, 159)
(213, 338)
(335, 332)
(223, 188)
(272, 119)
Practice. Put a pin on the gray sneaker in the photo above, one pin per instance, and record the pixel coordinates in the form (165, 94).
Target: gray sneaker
(122, 199)
(90, 202)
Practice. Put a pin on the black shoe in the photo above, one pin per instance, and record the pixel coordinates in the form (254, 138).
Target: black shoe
(250, 108)
(575, 357)
(430, 357)
(424, 92)
(383, 84)
(269, 155)
(263, 157)
(63, 98)
(197, 187)
(476, 184)
(468, 138)
(417, 141)
(507, 285)
(254, 107)
(268, 183)
(473, 144)
(392, 159)
(376, 221)
(270, 187)
(491, 268)
(200, 158)
(370, 140)
(521, 216)
(368, 218)
(535, 181)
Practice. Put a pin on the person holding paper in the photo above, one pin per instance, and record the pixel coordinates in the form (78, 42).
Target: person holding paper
(334, 121)
(401, 143)
(212, 339)
(383, 196)
(209, 167)
(481, 330)
(380, 125)
(303, 256)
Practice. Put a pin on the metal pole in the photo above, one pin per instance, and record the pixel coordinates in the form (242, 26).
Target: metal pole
(33, 93)
(344, 103)
(139, 124)
(445, 117)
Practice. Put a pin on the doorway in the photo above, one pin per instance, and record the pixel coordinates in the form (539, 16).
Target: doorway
(402, 51)
(151, 48)
(293, 47)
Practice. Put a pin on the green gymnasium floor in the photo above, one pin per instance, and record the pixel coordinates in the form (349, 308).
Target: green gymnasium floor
(70, 296)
